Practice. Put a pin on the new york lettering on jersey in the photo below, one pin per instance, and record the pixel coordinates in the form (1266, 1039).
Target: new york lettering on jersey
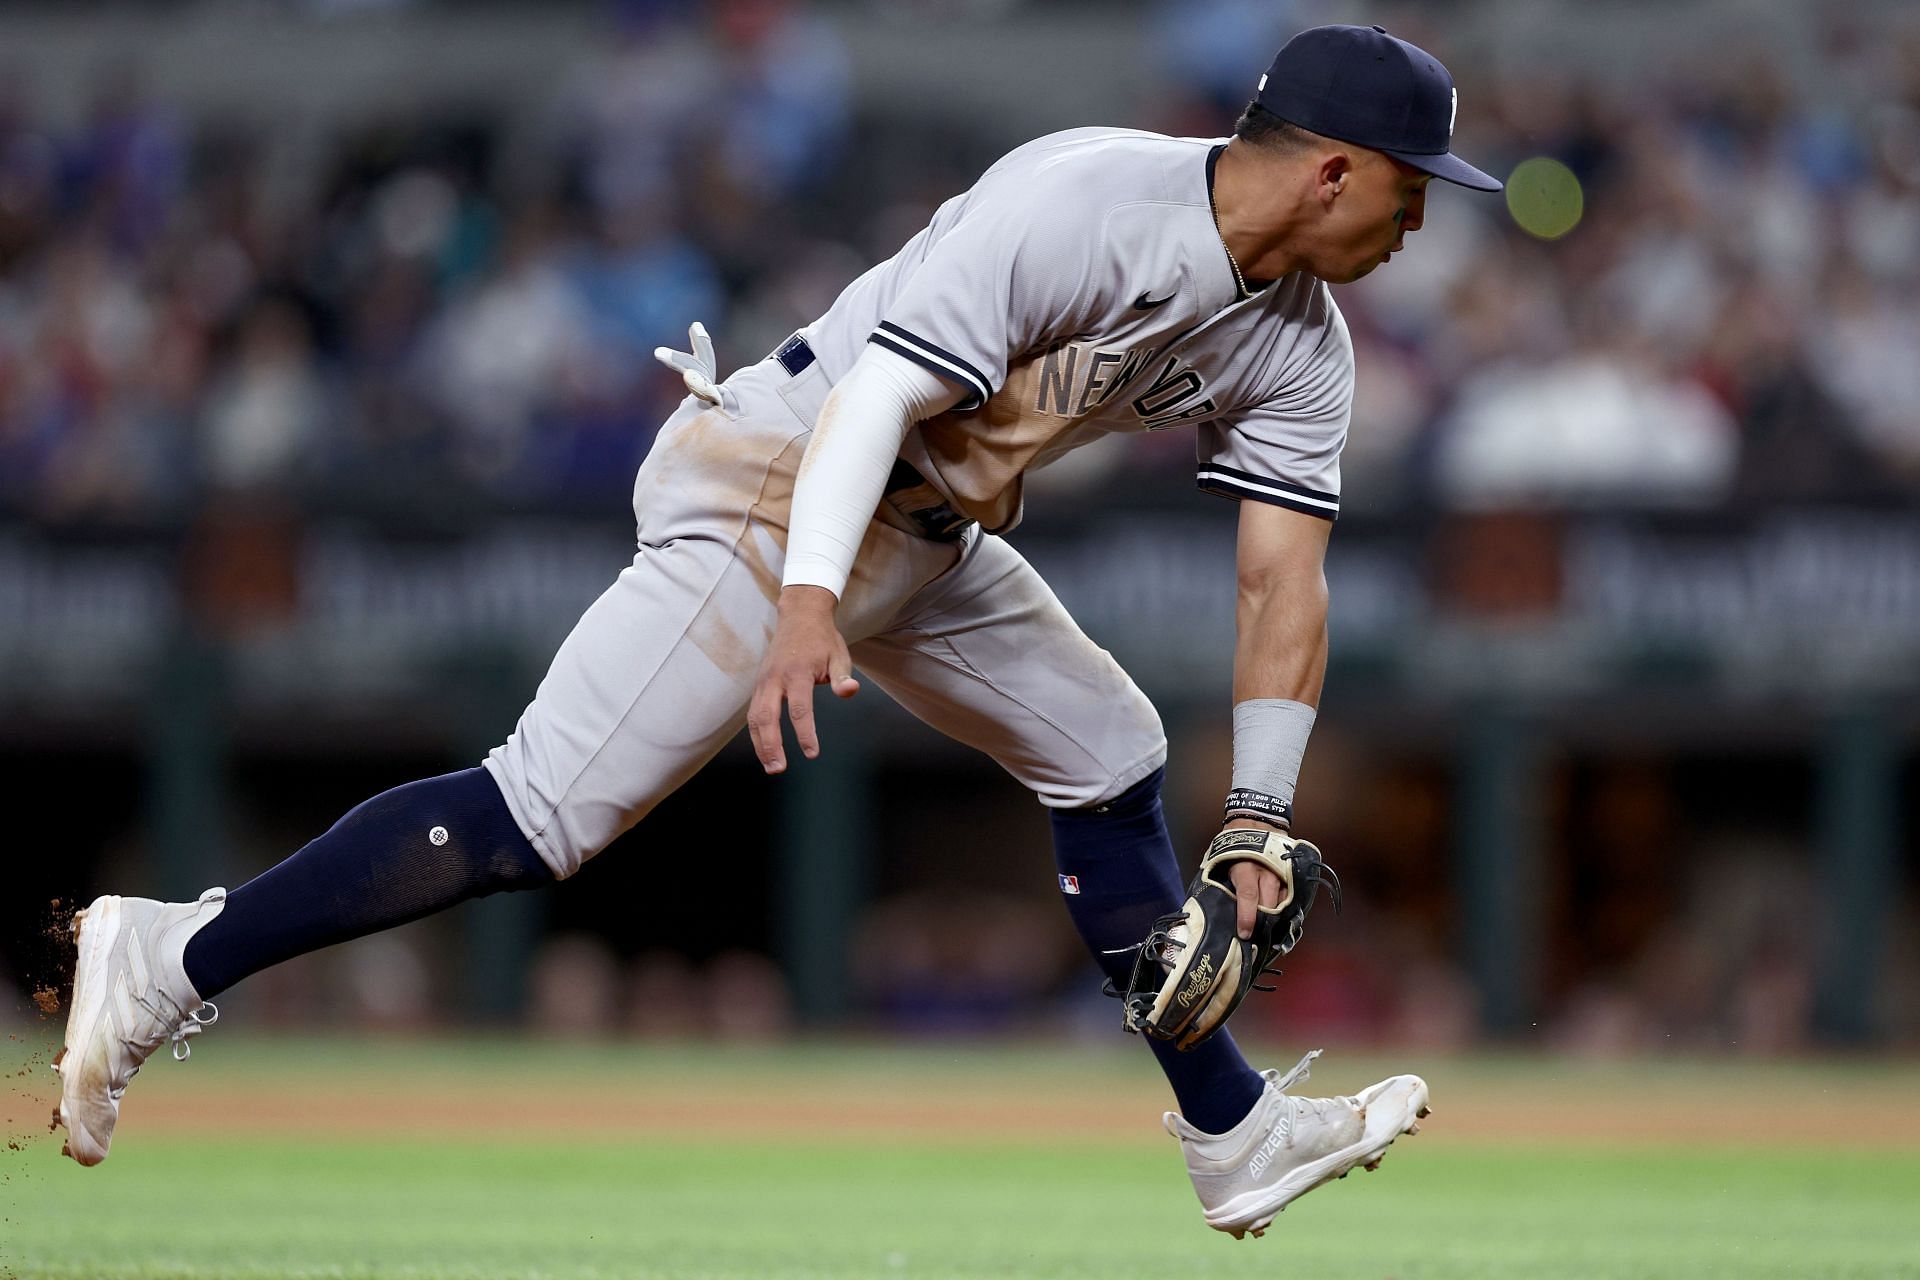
(1073, 387)
(1268, 381)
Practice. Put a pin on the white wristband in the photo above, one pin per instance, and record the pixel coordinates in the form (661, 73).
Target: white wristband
(1269, 741)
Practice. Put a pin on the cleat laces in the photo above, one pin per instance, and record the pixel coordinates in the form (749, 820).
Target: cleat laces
(1294, 1109)
(1301, 1070)
(192, 1026)
(174, 1025)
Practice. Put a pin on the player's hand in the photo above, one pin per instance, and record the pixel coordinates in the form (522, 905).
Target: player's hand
(807, 650)
(1254, 885)
(698, 368)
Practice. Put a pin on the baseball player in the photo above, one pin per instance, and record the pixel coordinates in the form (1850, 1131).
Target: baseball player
(840, 505)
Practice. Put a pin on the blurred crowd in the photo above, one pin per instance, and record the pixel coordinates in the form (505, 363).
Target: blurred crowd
(1732, 321)
(461, 309)
(423, 312)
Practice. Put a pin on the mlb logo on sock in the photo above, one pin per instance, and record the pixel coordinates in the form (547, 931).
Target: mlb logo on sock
(1069, 884)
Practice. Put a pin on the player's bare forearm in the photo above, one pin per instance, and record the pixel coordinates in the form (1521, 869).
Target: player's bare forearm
(1280, 640)
(1280, 645)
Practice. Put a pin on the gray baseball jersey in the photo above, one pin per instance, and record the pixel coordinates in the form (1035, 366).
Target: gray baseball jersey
(1080, 288)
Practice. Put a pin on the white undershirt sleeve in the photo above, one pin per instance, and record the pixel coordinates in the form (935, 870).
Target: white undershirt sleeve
(856, 440)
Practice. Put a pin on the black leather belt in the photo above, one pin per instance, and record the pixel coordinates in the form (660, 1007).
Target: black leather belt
(908, 492)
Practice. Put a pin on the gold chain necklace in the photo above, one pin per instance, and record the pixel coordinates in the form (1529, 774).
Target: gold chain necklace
(1240, 281)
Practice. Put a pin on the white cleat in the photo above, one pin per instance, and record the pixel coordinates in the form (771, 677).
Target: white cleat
(1287, 1146)
(130, 996)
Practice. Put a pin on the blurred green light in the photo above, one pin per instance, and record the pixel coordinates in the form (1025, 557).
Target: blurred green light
(1544, 197)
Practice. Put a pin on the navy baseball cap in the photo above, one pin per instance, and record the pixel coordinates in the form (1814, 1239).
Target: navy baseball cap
(1361, 85)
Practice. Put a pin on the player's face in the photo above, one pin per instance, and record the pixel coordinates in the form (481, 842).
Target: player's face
(1379, 203)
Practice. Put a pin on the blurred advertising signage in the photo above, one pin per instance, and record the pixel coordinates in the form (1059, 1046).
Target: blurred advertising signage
(1834, 590)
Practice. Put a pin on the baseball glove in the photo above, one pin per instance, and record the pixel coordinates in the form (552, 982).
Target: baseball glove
(1193, 970)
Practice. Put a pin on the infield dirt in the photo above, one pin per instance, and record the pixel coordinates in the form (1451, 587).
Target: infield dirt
(532, 1089)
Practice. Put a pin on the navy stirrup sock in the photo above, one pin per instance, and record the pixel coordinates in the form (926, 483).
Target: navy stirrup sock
(1119, 862)
(404, 854)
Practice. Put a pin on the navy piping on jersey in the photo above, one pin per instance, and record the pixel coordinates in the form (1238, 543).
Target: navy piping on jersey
(1230, 482)
(935, 360)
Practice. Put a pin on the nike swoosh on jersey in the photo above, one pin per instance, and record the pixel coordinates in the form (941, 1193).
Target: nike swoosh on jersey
(1144, 303)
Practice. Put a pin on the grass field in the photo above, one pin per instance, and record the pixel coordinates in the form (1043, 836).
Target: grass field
(484, 1159)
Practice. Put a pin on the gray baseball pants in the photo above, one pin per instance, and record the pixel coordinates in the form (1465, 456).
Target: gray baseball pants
(656, 675)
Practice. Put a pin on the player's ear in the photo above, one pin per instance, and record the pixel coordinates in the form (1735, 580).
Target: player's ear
(1334, 174)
